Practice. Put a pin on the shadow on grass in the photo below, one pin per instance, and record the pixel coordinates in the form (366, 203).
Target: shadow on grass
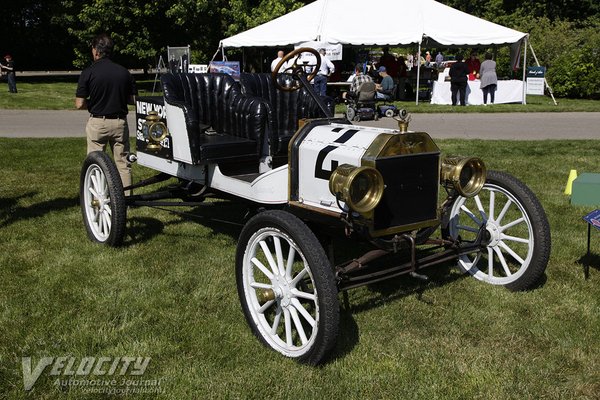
(142, 229)
(222, 217)
(11, 213)
(589, 260)
(402, 286)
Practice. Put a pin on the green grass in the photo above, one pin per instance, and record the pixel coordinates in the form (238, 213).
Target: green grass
(169, 293)
(50, 93)
(534, 104)
(47, 93)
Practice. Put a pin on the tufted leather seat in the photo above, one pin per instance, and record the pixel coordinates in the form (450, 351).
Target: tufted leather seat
(215, 102)
(285, 108)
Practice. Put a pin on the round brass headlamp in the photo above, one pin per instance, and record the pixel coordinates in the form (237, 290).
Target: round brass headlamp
(155, 130)
(465, 174)
(360, 188)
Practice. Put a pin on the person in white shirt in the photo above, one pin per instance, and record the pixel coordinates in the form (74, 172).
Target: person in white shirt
(276, 61)
(327, 68)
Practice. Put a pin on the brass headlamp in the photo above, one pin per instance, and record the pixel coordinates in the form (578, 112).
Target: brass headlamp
(465, 174)
(360, 188)
(155, 131)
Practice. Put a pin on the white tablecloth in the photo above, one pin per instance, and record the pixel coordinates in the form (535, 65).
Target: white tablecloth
(507, 92)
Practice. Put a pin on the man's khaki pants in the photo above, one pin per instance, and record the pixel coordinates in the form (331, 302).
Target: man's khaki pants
(114, 132)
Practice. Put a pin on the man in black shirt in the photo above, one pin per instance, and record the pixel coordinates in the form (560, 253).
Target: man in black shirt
(458, 80)
(105, 88)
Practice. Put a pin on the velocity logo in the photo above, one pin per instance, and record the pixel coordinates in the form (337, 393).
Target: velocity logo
(87, 366)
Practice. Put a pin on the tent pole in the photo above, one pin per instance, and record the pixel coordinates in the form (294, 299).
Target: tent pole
(545, 81)
(418, 72)
(524, 101)
(217, 52)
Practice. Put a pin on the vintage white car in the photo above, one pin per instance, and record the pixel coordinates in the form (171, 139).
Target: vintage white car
(306, 178)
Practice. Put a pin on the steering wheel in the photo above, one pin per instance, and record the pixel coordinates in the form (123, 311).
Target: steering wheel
(296, 67)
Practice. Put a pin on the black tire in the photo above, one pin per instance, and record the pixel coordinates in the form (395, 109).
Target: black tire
(517, 233)
(301, 292)
(389, 113)
(102, 199)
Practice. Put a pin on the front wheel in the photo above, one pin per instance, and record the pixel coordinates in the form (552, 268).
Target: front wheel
(514, 228)
(102, 199)
(286, 287)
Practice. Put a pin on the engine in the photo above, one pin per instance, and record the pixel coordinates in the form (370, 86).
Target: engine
(387, 181)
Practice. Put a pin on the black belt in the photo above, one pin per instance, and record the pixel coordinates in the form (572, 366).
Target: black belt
(109, 116)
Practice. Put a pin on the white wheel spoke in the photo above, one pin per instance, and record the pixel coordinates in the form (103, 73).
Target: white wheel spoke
(492, 204)
(276, 321)
(100, 221)
(511, 224)
(266, 306)
(511, 252)
(480, 208)
(504, 210)
(96, 215)
(279, 255)
(105, 229)
(102, 181)
(93, 192)
(95, 184)
(262, 268)
(290, 262)
(298, 277)
(502, 261)
(514, 239)
(270, 259)
(490, 262)
(288, 327)
(303, 295)
(258, 285)
(108, 209)
(107, 219)
(304, 313)
(298, 325)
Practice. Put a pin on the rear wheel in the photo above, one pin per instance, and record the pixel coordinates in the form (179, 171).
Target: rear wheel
(286, 287)
(389, 113)
(102, 199)
(516, 233)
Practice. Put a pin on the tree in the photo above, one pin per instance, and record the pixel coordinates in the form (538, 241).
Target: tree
(30, 33)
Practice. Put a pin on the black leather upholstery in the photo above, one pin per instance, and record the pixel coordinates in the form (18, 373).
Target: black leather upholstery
(285, 108)
(215, 100)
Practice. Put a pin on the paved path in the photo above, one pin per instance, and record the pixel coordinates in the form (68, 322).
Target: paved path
(511, 126)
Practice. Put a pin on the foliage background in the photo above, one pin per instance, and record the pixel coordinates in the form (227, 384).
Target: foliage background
(54, 34)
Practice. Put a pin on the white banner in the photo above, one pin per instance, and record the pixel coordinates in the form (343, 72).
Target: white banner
(333, 50)
(535, 86)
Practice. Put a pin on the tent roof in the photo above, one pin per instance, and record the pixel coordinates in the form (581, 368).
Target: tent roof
(396, 22)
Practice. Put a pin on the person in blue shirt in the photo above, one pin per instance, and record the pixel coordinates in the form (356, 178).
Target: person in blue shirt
(386, 87)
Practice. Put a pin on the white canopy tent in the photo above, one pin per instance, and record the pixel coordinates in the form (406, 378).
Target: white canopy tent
(396, 22)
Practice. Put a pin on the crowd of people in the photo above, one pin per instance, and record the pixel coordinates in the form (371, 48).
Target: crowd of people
(392, 73)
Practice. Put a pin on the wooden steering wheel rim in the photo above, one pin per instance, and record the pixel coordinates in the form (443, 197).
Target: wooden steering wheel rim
(296, 68)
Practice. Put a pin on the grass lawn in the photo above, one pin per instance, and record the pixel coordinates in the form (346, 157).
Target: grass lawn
(47, 93)
(51, 93)
(169, 293)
